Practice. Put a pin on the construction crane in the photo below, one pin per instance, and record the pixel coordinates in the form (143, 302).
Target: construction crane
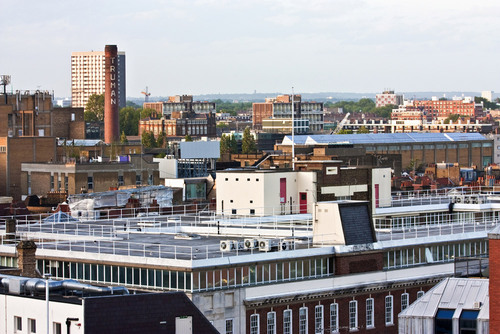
(340, 125)
(146, 94)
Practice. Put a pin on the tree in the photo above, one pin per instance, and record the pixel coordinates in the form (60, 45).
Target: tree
(453, 118)
(94, 110)
(486, 104)
(222, 125)
(148, 112)
(228, 144)
(148, 139)
(161, 140)
(129, 120)
(363, 129)
(345, 132)
(123, 138)
(188, 138)
(248, 142)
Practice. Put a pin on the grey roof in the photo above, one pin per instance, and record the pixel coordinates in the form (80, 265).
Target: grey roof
(452, 293)
(383, 138)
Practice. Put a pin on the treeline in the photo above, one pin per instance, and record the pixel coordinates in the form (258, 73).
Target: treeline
(365, 105)
(232, 107)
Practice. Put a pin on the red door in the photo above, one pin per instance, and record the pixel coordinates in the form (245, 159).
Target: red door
(303, 202)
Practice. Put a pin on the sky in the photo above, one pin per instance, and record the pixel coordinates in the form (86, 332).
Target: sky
(221, 46)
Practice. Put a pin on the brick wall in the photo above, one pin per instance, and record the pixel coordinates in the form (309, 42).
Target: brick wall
(494, 248)
(351, 264)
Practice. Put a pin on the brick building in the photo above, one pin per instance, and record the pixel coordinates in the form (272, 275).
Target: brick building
(438, 109)
(281, 108)
(41, 178)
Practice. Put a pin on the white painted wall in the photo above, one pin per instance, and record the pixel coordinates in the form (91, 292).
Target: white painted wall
(31, 308)
(327, 225)
(167, 167)
(382, 177)
(260, 191)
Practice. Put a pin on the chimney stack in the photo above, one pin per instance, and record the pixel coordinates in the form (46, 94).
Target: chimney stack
(111, 101)
(26, 259)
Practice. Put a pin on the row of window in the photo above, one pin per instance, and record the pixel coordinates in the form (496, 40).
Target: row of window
(427, 147)
(189, 281)
(407, 257)
(334, 326)
(31, 325)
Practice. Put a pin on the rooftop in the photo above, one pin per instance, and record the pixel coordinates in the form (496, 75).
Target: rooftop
(383, 138)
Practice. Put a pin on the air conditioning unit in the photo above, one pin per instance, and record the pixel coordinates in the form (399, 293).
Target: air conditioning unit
(477, 200)
(285, 245)
(267, 245)
(467, 199)
(240, 245)
(251, 243)
(226, 245)
(459, 199)
(476, 305)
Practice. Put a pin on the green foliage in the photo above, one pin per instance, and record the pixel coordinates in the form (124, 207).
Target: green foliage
(148, 139)
(148, 112)
(222, 125)
(188, 138)
(161, 140)
(443, 99)
(486, 104)
(363, 129)
(161, 155)
(345, 132)
(453, 118)
(94, 110)
(228, 144)
(123, 138)
(363, 105)
(232, 107)
(132, 104)
(248, 144)
(129, 120)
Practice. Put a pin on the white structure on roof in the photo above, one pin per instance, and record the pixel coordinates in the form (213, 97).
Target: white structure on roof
(455, 302)
(265, 192)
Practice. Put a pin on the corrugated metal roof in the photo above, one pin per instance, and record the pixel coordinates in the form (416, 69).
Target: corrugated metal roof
(452, 293)
(382, 138)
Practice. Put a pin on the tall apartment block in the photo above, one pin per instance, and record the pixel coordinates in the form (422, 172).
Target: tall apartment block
(87, 77)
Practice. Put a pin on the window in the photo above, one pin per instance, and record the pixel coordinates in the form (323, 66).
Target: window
(233, 211)
(444, 321)
(18, 324)
(52, 182)
(468, 322)
(303, 320)
(90, 182)
(57, 328)
(318, 319)
(420, 294)
(120, 180)
(252, 211)
(388, 310)
(271, 322)
(31, 326)
(370, 315)
(404, 301)
(353, 315)
(229, 326)
(334, 317)
(287, 322)
(254, 324)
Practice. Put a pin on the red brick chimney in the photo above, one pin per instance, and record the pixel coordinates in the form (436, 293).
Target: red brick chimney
(26, 259)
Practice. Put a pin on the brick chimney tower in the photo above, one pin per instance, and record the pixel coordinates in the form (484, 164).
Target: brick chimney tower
(111, 116)
(26, 259)
(494, 267)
